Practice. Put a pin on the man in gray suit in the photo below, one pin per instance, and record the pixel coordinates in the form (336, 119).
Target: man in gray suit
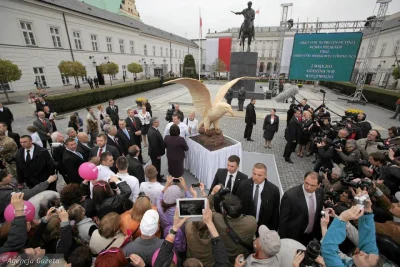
(44, 128)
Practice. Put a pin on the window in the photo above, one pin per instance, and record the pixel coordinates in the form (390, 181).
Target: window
(396, 48)
(40, 76)
(161, 51)
(362, 52)
(383, 49)
(84, 79)
(145, 50)
(124, 71)
(27, 31)
(270, 54)
(166, 52)
(132, 45)
(176, 53)
(65, 80)
(121, 46)
(180, 53)
(154, 50)
(55, 37)
(109, 44)
(277, 53)
(77, 40)
(95, 46)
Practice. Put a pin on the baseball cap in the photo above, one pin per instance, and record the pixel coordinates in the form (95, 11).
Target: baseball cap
(172, 194)
(269, 240)
(149, 223)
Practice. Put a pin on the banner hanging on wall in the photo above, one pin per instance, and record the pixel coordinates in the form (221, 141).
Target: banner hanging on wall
(324, 56)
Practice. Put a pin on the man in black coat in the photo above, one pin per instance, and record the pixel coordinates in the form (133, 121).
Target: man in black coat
(57, 152)
(84, 146)
(303, 105)
(250, 119)
(72, 159)
(231, 176)
(101, 141)
(300, 211)
(241, 98)
(112, 111)
(178, 111)
(135, 167)
(229, 96)
(292, 135)
(125, 137)
(41, 103)
(156, 146)
(14, 136)
(113, 139)
(260, 198)
(364, 125)
(34, 164)
(134, 126)
(6, 116)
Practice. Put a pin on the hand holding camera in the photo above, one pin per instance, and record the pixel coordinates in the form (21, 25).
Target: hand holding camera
(52, 178)
(240, 261)
(351, 214)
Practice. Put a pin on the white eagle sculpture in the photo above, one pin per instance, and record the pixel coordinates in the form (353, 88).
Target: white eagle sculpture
(211, 112)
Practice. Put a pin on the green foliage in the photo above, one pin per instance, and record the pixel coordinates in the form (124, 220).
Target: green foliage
(135, 68)
(110, 69)
(189, 67)
(396, 73)
(9, 72)
(77, 100)
(72, 68)
(218, 66)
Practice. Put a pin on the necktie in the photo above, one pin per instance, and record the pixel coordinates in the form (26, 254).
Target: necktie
(79, 154)
(127, 134)
(134, 122)
(311, 214)
(28, 156)
(116, 141)
(255, 200)
(229, 184)
(44, 123)
(100, 151)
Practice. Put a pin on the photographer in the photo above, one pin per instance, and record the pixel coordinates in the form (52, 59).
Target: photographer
(331, 182)
(367, 254)
(339, 141)
(350, 156)
(325, 154)
(392, 157)
(364, 125)
(227, 214)
(377, 160)
(369, 145)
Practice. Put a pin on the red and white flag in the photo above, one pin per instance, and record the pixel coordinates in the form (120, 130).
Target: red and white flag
(258, 11)
(201, 26)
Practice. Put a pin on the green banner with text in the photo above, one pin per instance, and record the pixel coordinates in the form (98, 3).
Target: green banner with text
(324, 56)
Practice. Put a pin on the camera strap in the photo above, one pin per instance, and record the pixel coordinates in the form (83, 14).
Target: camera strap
(235, 238)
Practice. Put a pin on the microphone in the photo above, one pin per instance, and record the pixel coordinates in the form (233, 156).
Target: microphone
(322, 91)
(289, 90)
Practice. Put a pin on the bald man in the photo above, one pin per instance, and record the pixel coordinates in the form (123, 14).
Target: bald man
(44, 128)
(84, 146)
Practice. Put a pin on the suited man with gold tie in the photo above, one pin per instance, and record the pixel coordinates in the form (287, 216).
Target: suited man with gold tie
(134, 125)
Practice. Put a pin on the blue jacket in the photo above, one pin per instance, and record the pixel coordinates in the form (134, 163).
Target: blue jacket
(336, 235)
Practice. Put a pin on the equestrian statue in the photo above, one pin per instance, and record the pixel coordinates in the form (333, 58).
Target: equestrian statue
(247, 28)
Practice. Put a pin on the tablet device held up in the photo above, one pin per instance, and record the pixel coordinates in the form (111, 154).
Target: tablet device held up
(192, 208)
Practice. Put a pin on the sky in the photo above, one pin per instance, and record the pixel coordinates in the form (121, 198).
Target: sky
(181, 17)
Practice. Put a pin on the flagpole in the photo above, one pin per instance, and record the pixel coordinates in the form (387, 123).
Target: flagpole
(200, 22)
(258, 18)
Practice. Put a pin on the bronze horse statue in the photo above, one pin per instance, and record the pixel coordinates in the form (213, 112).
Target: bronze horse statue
(246, 31)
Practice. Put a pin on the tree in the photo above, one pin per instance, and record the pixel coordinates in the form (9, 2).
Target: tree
(189, 67)
(396, 76)
(218, 66)
(72, 69)
(109, 68)
(135, 68)
(9, 72)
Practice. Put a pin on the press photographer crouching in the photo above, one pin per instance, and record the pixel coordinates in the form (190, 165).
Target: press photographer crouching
(325, 154)
(350, 156)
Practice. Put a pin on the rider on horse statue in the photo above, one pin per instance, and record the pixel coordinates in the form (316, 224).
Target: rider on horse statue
(249, 16)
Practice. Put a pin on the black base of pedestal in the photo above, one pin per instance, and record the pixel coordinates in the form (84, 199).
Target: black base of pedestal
(244, 64)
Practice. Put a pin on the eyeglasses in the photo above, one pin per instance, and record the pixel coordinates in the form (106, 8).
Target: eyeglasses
(109, 251)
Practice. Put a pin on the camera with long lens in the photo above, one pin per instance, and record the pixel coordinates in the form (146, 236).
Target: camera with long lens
(327, 171)
(330, 198)
(313, 250)
(364, 183)
(364, 163)
(340, 143)
(219, 197)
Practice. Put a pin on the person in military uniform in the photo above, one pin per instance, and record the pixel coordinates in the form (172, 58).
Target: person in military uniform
(241, 98)
(248, 14)
(229, 96)
(8, 150)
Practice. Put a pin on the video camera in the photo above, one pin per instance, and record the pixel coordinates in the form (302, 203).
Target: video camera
(340, 143)
(313, 250)
(327, 171)
(393, 144)
(331, 197)
(364, 183)
(219, 197)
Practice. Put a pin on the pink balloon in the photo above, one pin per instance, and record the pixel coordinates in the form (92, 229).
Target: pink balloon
(88, 171)
(29, 210)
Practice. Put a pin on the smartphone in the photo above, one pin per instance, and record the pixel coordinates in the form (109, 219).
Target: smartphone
(176, 180)
(196, 185)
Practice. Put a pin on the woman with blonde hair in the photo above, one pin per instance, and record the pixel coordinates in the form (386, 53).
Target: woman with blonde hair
(130, 220)
(144, 117)
(305, 136)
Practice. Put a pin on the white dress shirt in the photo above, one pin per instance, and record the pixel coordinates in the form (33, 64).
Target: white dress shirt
(30, 152)
(193, 125)
(133, 183)
(144, 118)
(260, 189)
(272, 120)
(233, 179)
(104, 175)
(308, 197)
(36, 139)
(182, 127)
(152, 190)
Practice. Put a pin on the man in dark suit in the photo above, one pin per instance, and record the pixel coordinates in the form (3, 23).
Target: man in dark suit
(34, 164)
(112, 111)
(250, 119)
(135, 167)
(84, 146)
(101, 141)
(113, 139)
(241, 98)
(41, 103)
(72, 159)
(57, 152)
(303, 106)
(260, 198)
(300, 211)
(126, 138)
(178, 111)
(14, 136)
(6, 116)
(292, 135)
(134, 126)
(156, 146)
(229, 177)
(44, 128)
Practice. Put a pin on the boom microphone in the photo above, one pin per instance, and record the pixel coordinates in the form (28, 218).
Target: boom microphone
(322, 91)
(289, 90)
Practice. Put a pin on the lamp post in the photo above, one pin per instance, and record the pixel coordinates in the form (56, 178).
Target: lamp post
(164, 66)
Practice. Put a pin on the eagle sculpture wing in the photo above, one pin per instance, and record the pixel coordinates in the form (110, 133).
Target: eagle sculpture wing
(200, 95)
(222, 91)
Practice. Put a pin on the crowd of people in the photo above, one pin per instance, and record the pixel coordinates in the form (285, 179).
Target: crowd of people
(346, 211)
